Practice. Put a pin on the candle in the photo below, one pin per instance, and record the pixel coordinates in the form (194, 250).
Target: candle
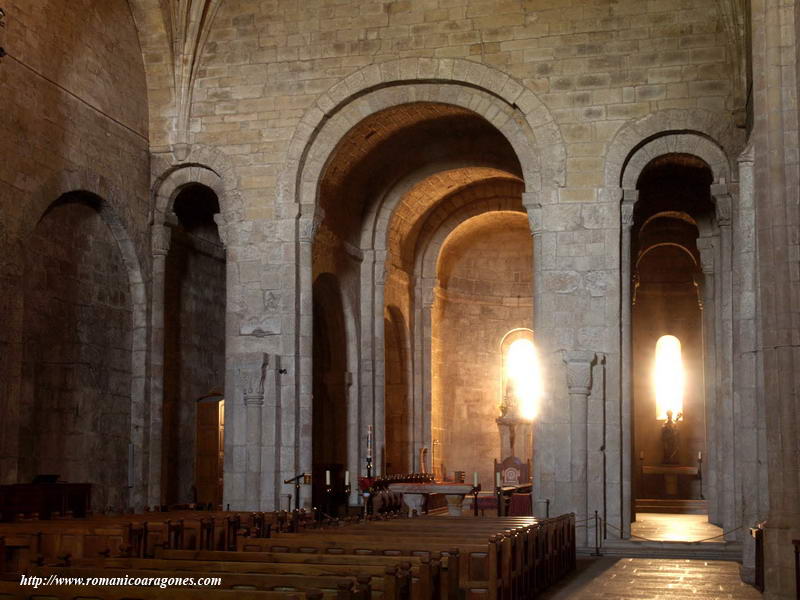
(347, 478)
(475, 479)
(497, 479)
(699, 456)
(327, 477)
(641, 454)
(369, 441)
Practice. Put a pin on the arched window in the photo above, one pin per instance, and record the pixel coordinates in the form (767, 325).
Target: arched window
(522, 382)
(668, 377)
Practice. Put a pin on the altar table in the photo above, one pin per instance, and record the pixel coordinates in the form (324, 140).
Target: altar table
(414, 495)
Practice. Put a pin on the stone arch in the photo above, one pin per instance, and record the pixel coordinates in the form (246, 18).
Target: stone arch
(168, 185)
(505, 103)
(111, 199)
(207, 166)
(697, 132)
(431, 245)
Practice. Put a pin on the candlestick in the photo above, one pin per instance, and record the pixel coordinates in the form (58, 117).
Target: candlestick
(475, 479)
(327, 477)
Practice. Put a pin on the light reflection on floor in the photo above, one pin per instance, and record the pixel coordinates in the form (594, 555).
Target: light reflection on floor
(675, 528)
(652, 579)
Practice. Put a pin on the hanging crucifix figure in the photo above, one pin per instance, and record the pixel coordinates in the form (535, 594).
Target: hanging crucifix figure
(670, 438)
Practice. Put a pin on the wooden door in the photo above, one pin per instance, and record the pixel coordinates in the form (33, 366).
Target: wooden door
(210, 448)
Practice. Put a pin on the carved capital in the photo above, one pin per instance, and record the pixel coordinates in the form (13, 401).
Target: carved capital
(310, 226)
(723, 205)
(706, 249)
(535, 219)
(748, 155)
(579, 370)
(626, 214)
(252, 373)
(222, 228)
(160, 239)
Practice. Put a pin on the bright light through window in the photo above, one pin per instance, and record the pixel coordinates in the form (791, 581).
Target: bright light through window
(522, 368)
(669, 378)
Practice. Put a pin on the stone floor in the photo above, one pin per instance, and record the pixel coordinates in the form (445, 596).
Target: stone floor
(674, 528)
(652, 579)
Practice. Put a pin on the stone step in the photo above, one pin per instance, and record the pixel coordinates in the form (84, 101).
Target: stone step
(672, 506)
(688, 550)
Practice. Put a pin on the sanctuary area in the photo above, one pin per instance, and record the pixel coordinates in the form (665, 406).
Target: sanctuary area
(479, 284)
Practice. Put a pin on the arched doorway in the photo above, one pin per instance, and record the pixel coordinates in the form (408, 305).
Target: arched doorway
(396, 184)
(674, 205)
(194, 350)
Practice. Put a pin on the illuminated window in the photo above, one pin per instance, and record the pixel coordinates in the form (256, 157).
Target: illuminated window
(668, 377)
(523, 387)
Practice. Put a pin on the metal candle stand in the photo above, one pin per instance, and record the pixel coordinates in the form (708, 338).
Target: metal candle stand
(306, 479)
(328, 500)
(700, 474)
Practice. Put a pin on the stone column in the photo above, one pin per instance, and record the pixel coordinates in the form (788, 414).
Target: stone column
(544, 453)
(370, 323)
(423, 345)
(297, 411)
(775, 137)
(706, 248)
(750, 433)
(629, 198)
(725, 435)
(160, 242)
(252, 375)
(579, 383)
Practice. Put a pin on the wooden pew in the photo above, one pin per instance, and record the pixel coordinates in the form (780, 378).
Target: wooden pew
(425, 572)
(331, 586)
(11, 590)
(479, 566)
(432, 579)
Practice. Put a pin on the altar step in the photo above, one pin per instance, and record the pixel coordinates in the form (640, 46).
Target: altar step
(689, 550)
(672, 506)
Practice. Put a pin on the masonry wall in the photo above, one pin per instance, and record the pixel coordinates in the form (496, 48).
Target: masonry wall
(77, 363)
(593, 64)
(75, 118)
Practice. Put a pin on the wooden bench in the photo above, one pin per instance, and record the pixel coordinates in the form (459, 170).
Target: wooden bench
(330, 586)
(14, 591)
(434, 579)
